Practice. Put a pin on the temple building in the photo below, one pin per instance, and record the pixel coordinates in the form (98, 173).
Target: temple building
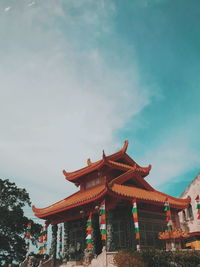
(119, 183)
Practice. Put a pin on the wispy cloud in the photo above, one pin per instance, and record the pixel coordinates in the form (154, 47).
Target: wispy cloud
(61, 100)
(177, 153)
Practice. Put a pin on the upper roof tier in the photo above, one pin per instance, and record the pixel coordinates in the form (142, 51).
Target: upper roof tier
(112, 161)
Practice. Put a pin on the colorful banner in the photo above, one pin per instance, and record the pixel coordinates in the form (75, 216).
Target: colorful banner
(89, 231)
(27, 245)
(198, 209)
(168, 215)
(103, 220)
(28, 231)
(42, 239)
(28, 235)
(135, 219)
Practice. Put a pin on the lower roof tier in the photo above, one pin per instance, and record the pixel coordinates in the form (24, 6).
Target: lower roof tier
(117, 191)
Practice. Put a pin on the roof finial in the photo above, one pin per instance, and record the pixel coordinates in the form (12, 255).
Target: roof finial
(104, 156)
(89, 162)
(150, 167)
(64, 172)
(125, 146)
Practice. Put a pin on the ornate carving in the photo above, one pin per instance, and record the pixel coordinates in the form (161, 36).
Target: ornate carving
(176, 233)
(74, 240)
(110, 244)
(53, 249)
(66, 242)
(88, 256)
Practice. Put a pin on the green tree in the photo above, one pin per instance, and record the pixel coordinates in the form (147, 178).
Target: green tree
(13, 222)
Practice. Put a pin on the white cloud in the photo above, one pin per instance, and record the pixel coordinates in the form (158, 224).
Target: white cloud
(176, 154)
(61, 101)
(7, 9)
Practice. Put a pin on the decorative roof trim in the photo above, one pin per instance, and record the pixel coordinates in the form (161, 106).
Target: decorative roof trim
(125, 146)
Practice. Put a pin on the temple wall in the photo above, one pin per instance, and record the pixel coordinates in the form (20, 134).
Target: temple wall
(188, 217)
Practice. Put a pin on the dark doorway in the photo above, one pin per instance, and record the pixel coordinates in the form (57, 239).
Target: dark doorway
(96, 234)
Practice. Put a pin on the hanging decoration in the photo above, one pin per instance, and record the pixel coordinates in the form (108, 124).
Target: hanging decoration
(28, 235)
(198, 209)
(103, 220)
(168, 215)
(89, 231)
(60, 240)
(42, 239)
(135, 219)
(45, 237)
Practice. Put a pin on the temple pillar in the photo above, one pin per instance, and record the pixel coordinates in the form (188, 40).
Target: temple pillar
(110, 244)
(66, 241)
(53, 249)
(96, 235)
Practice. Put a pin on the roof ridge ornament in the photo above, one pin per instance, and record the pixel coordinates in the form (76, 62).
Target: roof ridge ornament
(89, 163)
(104, 156)
(125, 146)
(64, 172)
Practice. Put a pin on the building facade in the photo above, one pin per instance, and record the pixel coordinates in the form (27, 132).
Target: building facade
(117, 181)
(189, 216)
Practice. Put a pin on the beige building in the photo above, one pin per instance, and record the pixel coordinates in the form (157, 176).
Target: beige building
(188, 217)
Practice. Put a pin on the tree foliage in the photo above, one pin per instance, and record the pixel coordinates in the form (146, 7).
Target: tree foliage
(13, 222)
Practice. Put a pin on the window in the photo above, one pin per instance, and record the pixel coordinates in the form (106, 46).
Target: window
(120, 233)
(149, 233)
(190, 212)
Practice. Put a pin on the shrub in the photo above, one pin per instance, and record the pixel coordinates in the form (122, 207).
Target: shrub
(157, 258)
(187, 258)
(128, 259)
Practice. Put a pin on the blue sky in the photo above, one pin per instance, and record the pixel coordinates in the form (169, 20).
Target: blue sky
(81, 76)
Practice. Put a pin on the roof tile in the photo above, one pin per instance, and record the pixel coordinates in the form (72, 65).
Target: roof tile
(139, 193)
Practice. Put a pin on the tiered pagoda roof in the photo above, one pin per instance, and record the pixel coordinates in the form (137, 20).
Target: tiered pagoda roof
(129, 184)
(112, 161)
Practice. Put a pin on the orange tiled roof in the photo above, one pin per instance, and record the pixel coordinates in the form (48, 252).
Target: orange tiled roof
(110, 161)
(121, 165)
(94, 193)
(71, 201)
(70, 176)
(130, 174)
(142, 194)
